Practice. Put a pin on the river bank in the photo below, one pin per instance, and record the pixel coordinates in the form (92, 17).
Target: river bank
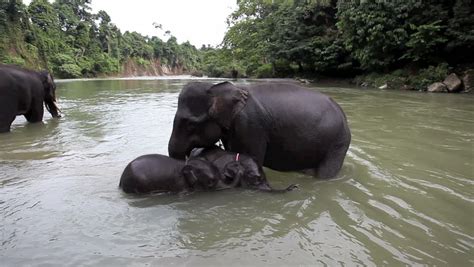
(439, 79)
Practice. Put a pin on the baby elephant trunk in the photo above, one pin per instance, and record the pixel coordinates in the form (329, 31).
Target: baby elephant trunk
(265, 187)
(221, 185)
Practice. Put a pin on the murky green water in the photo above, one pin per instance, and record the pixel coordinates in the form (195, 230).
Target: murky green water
(405, 195)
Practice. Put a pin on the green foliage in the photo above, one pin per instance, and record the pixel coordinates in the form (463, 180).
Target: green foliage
(283, 68)
(406, 79)
(301, 34)
(143, 62)
(14, 60)
(66, 37)
(69, 71)
(216, 62)
(106, 64)
(429, 75)
(424, 40)
(65, 66)
(341, 38)
(266, 38)
(264, 71)
(373, 32)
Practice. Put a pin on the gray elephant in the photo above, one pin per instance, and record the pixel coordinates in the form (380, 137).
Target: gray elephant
(205, 170)
(283, 126)
(159, 173)
(22, 92)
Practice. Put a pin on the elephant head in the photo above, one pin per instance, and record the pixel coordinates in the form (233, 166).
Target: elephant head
(202, 174)
(246, 173)
(205, 112)
(49, 88)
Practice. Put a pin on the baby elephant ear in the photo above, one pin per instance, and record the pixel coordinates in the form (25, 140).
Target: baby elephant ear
(233, 172)
(227, 101)
(189, 175)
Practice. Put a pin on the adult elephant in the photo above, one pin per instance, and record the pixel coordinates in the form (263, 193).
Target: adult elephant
(22, 92)
(283, 126)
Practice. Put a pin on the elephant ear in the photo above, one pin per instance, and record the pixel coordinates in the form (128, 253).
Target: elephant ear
(46, 78)
(189, 175)
(233, 172)
(48, 83)
(227, 101)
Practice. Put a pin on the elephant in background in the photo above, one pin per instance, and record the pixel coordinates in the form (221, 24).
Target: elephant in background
(22, 92)
(283, 126)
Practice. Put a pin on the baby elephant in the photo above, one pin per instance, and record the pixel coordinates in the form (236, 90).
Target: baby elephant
(238, 169)
(158, 173)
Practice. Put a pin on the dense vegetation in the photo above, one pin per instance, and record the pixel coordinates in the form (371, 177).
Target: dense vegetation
(420, 39)
(345, 38)
(65, 37)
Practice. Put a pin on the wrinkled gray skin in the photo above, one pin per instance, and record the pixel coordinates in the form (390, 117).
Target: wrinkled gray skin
(238, 170)
(283, 126)
(22, 92)
(158, 173)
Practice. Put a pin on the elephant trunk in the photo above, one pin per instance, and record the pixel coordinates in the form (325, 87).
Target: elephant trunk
(177, 150)
(53, 108)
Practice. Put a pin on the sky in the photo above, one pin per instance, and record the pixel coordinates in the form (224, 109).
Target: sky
(197, 21)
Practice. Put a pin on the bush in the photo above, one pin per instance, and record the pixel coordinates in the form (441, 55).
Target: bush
(64, 66)
(69, 71)
(143, 62)
(106, 64)
(404, 78)
(283, 68)
(60, 59)
(14, 61)
(264, 71)
(427, 76)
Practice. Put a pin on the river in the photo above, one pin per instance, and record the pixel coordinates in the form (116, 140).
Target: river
(405, 195)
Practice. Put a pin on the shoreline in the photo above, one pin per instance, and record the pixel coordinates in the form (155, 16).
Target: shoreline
(383, 82)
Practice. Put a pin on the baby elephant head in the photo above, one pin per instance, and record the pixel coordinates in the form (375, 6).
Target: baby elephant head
(246, 173)
(201, 174)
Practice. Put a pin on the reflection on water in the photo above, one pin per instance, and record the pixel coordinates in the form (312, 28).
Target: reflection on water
(404, 196)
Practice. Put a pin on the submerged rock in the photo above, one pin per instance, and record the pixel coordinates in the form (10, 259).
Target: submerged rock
(437, 88)
(453, 83)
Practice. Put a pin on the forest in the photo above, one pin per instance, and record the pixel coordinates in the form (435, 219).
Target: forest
(412, 42)
(72, 42)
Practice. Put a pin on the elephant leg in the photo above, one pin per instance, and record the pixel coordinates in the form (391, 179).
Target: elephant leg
(331, 165)
(35, 114)
(7, 115)
(6, 121)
